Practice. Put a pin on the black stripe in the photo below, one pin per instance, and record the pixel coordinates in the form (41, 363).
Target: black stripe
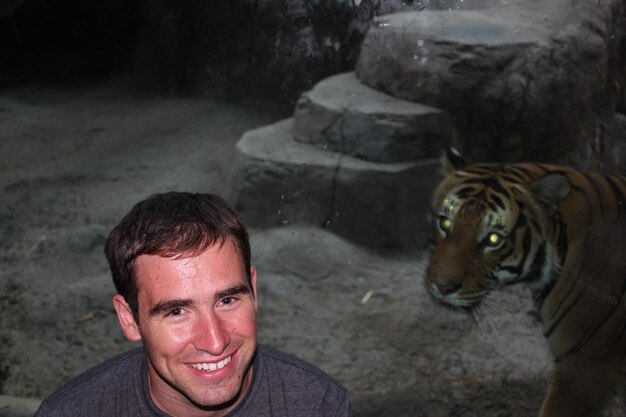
(540, 295)
(517, 270)
(489, 182)
(465, 191)
(562, 245)
(535, 224)
(566, 296)
(594, 184)
(526, 243)
(537, 265)
(511, 178)
(546, 169)
(556, 323)
(496, 202)
(589, 203)
(619, 177)
(497, 187)
(515, 176)
(491, 206)
(538, 262)
(586, 338)
(619, 196)
(528, 173)
(480, 169)
(622, 303)
(563, 299)
(477, 181)
(621, 333)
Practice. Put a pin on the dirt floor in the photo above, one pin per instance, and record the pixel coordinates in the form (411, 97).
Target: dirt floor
(73, 161)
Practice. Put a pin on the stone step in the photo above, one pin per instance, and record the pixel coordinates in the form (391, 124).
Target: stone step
(344, 115)
(276, 180)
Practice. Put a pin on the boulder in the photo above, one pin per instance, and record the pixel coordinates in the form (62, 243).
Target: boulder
(535, 81)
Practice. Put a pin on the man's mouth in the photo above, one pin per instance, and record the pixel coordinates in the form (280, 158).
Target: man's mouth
(211, 366)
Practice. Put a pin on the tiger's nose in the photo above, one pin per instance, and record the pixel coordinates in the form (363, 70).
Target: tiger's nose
(449, 288)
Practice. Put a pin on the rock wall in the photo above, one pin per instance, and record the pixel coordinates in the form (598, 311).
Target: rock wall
(275, 47)
(65, 40)
(8, 6)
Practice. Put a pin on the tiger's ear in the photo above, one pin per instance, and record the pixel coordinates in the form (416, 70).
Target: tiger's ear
(549, 190)
(452, 160)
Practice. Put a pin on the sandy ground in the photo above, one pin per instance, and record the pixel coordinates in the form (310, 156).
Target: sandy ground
(73, 161)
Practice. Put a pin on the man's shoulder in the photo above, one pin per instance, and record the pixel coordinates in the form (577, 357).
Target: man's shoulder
(299, 375)
(288, 363)
(287, 386)
(98, 383)
(111, 369)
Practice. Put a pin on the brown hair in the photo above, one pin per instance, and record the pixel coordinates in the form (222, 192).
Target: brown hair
(170, 225)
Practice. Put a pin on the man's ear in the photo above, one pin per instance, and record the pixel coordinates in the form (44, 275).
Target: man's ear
(126, 318)
(253, 280)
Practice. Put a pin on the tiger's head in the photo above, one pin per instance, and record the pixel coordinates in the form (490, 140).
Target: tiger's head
(490, 227)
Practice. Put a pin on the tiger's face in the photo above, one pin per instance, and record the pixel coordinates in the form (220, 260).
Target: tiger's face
(472, 239)
(489, 229)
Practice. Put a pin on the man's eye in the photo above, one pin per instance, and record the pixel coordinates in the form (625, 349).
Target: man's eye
(175, 312)
(229, 301)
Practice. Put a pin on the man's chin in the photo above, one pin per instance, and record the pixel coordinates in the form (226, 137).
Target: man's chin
(222, 395)
(222, 398)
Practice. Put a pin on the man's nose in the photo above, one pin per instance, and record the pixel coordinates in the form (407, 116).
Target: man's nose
(211, 335)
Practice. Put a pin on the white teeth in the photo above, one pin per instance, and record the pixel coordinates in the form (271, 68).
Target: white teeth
(211, 366)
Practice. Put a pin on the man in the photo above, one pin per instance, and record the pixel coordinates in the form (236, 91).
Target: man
(181, 265)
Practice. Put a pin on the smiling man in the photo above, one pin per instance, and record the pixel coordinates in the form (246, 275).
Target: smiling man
(187, 290)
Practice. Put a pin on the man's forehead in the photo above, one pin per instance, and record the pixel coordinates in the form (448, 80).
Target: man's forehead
(225, 260)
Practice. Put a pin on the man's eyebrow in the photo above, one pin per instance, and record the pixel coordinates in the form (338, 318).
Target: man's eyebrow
(234, 290)
(168, 305)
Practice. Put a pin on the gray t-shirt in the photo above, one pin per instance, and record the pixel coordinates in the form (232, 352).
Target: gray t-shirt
(282, 386)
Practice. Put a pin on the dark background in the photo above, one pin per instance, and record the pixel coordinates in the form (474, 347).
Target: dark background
(274, 48)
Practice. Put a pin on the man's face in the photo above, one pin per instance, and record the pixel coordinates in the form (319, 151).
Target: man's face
(197, 322)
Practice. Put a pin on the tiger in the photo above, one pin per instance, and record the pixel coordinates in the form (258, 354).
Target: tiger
(559, 231)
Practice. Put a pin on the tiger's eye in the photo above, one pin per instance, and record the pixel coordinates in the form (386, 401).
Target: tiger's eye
(445, 224)
(494, 239)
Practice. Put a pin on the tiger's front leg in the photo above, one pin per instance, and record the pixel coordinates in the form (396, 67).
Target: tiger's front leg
(576, 390)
